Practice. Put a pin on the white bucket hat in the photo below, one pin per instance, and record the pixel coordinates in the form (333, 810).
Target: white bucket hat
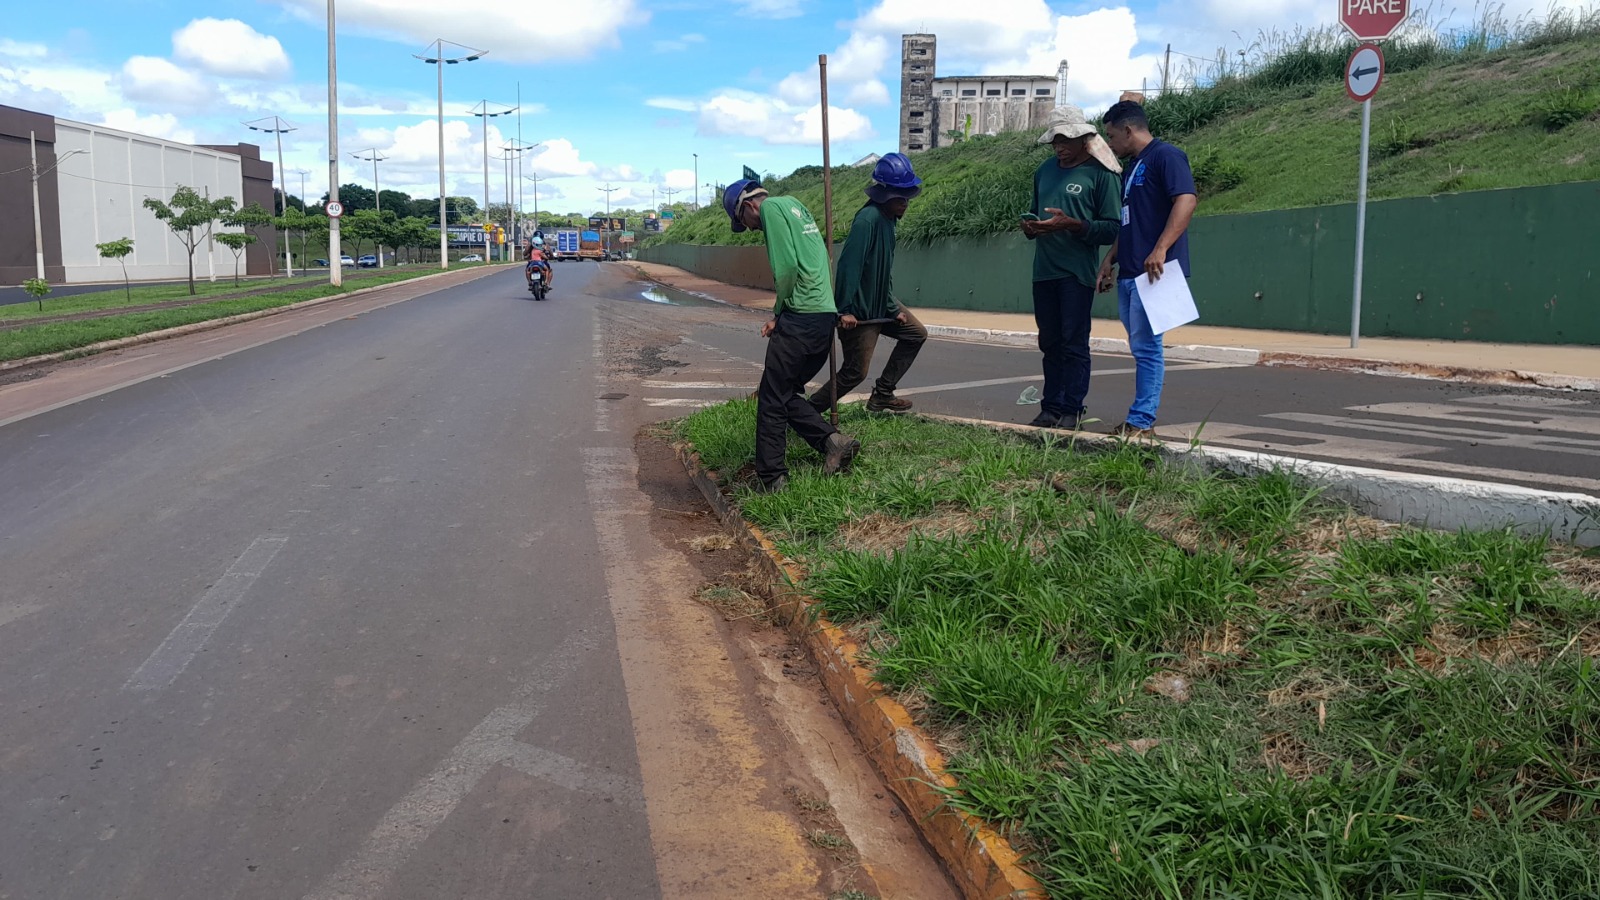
(1070, 122)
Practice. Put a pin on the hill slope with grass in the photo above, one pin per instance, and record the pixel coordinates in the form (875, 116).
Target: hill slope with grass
(1487, 110)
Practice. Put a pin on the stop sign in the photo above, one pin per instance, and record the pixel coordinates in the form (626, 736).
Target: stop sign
(1372, 20)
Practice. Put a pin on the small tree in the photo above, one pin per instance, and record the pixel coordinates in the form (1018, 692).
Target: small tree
(191, 217)
(37, 288)
(236, 241)
(119, 250)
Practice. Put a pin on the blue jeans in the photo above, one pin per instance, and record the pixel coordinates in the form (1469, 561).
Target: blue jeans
(1148, 358)
(1061, 309)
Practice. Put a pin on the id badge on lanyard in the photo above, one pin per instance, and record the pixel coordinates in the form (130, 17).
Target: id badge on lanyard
(1127, 187)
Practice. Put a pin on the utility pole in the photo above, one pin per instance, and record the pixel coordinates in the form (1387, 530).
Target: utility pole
(335, 244)
(1166, 72)
(696, 183)
(607, 191)
(440, 60)
(377, 193)
(279, 129)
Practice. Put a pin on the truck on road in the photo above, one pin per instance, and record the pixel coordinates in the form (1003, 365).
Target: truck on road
(568, 245)
(589, 247)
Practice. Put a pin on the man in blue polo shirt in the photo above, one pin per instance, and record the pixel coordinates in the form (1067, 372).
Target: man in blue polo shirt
(1158, 200)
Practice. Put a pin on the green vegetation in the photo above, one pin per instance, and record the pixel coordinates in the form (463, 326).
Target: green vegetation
(19, 341)
(119, 250)
(1503, 105)
(38, 289)
(1168, 685)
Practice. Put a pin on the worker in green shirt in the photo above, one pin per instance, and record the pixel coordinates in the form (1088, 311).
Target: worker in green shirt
(800, 334)
(1076, 211)
(867, 306)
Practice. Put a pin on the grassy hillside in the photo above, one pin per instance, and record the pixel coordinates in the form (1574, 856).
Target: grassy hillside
(1488, 110)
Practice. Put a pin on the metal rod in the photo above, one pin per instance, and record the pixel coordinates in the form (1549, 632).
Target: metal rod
(1361, 225)
(827, 239)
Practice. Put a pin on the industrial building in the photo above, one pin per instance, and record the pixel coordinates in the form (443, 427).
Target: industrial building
(92, 182)
(934, 108)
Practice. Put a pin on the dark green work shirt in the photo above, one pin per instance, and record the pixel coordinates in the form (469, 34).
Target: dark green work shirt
(1088, 192)
(862, 284)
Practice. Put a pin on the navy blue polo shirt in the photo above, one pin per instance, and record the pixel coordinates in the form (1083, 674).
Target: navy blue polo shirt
(1150, 184)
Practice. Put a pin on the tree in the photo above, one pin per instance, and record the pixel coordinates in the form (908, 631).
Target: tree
(361, 226)
(415, 234)
(119, 250)
(353, 196)
(191, 217)
(250, 219)
(236, 241)
(303, 224)
(37, 288)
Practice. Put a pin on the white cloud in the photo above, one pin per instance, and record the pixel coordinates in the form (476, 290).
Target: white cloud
(771, 9)
(774, 121)
(680, 43)
(153, 80)
(558, 158)
(672, 103)
(558, 32)
(1099, 48)
(229, 47)
(19, 50)
(161, 125)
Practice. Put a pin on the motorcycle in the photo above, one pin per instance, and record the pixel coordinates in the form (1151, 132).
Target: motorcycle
(536, 283)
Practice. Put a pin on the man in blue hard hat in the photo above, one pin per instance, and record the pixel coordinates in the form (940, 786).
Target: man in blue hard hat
(862, 287)
(800, 334)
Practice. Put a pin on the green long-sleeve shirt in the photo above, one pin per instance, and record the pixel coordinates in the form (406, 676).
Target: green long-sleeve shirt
(862, 285)
(1089, 192)
(798, 256)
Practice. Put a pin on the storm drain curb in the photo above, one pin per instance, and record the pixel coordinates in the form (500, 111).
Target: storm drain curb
(1429, 501)
(983, 864)
(150, 337)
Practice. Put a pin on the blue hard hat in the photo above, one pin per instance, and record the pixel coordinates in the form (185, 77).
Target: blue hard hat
(732, 196)
(894, 170)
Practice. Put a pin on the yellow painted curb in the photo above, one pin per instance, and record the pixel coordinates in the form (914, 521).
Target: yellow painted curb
(983, 863)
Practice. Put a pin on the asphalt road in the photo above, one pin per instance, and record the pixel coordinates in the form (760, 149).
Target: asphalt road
(1533, 437)
(375, 609)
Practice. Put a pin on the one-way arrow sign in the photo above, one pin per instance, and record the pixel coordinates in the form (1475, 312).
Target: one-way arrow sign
(1363, 74)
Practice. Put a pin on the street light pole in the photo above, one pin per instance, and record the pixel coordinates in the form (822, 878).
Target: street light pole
(335, 246)
(377, 193)
(696, 183)
(440, 60)
(607, 191)
(279, 129)
(486, 115)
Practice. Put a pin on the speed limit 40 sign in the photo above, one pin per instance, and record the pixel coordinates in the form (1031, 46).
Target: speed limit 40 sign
(335, 209)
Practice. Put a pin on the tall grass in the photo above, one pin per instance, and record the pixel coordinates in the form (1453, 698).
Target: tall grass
(1410, 714)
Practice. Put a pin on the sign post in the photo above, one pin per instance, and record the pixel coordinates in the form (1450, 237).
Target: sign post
(1368, 21)
(1362, 76)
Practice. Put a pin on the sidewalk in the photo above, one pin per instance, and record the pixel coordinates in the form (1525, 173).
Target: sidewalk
(1552, 366)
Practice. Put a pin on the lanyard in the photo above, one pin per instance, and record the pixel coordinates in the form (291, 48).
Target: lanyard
(1132, 177)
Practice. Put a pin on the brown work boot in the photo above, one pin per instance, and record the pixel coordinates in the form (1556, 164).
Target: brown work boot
(840, 451)
(1133, 432)
(887, 403)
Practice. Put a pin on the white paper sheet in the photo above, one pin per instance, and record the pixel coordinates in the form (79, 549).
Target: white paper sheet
(1167, 302)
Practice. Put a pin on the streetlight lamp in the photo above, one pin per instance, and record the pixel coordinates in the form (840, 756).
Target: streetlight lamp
(518, 147)
(607, 191)
(38, 230)
(278, 129)
(377, 198)
(482, 112)
(439, 59)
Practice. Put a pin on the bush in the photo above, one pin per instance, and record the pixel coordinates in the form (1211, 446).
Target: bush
(1562, 107)
(1213, 174)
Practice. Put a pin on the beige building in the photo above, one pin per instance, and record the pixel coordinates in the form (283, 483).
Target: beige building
(932, 107)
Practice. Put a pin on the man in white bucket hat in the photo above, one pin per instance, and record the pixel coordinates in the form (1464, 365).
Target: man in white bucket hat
(1075, 213)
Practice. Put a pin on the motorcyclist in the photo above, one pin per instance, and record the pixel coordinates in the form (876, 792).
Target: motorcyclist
(536, 257)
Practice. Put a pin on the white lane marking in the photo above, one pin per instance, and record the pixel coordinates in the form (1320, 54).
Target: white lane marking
(602, 408)
(1574, 420)
(179, 649)
(696, 385)
(491, 742)
(1368, 453)
(679, 402)
(10, 612)
(1546, 443)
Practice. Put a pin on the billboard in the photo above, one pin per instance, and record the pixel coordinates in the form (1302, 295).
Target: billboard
(601, 223)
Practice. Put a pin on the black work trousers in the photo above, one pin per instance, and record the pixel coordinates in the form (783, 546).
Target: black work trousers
(1061, 307)
(796, 352)
(859, 343)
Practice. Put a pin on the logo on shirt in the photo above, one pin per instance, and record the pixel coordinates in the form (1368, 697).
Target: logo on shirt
(1074, 188)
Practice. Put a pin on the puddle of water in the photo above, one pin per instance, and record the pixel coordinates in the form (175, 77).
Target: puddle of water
(670, 296)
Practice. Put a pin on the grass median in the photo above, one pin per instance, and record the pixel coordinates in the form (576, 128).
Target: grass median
(1163, 684)
(20, 340)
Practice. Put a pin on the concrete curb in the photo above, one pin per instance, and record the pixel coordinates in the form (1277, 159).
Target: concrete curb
(1426, 500)
(151, 337)
(983, 864)
(1509, 377)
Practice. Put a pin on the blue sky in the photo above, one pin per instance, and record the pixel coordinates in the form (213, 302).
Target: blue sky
(619, 92)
